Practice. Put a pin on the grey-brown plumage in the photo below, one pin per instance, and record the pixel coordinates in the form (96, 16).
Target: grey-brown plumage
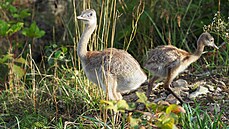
(116, 71)
(166, 62)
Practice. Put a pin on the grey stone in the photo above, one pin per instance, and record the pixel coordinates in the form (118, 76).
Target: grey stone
(200, 91)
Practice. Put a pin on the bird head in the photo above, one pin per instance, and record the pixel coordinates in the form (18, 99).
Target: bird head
(88, 16)
(208, 40)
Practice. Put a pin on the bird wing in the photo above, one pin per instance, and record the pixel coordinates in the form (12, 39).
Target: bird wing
(163, 57)
(117, 62)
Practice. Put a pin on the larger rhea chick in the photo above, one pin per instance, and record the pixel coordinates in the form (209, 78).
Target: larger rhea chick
(116, 71)
(166, 62)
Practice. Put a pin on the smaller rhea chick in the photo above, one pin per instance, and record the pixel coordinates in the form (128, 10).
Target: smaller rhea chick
(166, 62)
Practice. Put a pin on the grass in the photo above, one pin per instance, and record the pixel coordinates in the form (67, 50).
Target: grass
(57, 94)
(197, 118)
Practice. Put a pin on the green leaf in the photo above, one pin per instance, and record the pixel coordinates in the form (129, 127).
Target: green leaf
(15, 15)
(116, 106)
(64, 49)
(152, 105)
(15, 28)
(6, 57)
(122, 105)
(23, 14)
(3, 27)
(58, 54)
(12, 9)
(106, 102)
(39, 124)
(134, 122)
(18, 71)
(142, 97)
(166, 122)
(110, 105)
(33, 31)
(175, 109)
(54, 46)
(21, 60)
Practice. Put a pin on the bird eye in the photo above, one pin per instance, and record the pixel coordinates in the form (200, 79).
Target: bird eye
(90, 14)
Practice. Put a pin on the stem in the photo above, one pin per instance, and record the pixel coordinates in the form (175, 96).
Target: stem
(33, 77)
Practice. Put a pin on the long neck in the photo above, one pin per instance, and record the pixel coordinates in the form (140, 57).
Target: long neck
(200, 49)
(196, 55)
(82, 45)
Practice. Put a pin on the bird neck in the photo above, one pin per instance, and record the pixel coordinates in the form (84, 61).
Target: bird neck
(200, 49)
(82, 45)
(196, 55)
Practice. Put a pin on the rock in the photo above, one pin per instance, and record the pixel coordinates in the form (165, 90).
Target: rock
(141, 106)
(163, 94)
(218, 89)
(181, 83)
(171, 99)
(180, 86)
(200, 91)
(214, 107)
(159, 99)
(182, 93)
(210, 88)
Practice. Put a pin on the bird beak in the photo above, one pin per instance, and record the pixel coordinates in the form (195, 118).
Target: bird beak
(80, 17)
(215, 46)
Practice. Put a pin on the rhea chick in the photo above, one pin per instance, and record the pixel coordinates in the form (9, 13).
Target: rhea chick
(116, 71)
(166, 62)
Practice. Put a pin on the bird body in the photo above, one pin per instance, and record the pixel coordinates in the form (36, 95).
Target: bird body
(116, 71)
(116, 63)
(165, 57)
(167, 61)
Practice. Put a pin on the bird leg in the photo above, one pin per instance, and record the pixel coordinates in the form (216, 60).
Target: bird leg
(150, 85)
(109, 84)
(112, 88)
(175, 95)
(167, 83)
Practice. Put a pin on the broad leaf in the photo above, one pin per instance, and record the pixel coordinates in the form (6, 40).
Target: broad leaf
(22, 14)
(106, 102)
(58, 54)
(166, 122)
(64, 49)
(122, 106)
(6, 57)
(12, 9)
(17, 70)
(33, 31)
(3, 28)
(175, 109)
(142, 97)
(21, 60)
(133, 121)
(15, 28)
